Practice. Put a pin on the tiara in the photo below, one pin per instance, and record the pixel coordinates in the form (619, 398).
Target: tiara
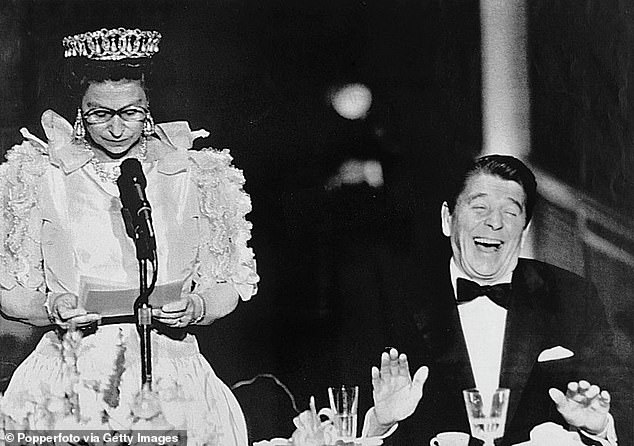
(112, 44)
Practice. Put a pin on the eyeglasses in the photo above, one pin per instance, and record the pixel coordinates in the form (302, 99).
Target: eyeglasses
(101, 115)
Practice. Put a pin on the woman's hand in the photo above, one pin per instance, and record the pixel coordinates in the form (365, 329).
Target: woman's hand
(66, 311)
(181, 313)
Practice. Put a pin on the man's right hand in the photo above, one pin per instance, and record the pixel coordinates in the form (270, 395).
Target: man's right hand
(396, 394)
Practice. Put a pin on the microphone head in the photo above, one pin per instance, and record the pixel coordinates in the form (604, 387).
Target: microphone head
(131, 183)
(132, 171)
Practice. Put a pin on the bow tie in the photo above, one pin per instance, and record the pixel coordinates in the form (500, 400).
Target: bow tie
(499, 294)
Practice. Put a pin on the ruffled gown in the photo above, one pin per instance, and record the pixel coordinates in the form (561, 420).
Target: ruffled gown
(72, 233)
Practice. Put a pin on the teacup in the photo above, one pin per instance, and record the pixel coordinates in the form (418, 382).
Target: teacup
(450, 439)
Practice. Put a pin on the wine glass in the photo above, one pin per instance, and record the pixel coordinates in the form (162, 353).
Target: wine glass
(487, 413)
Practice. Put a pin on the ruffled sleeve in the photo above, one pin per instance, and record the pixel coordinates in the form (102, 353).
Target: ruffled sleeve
(223, 254)
(20, 253)
(22, 285)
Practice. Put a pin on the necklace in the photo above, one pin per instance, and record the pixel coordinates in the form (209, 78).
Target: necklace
(110, 174)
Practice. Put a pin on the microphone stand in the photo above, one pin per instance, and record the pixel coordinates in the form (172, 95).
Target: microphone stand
(143, 235)
(143, 317)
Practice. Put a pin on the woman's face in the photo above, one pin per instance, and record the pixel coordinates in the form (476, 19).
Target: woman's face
(114, 112)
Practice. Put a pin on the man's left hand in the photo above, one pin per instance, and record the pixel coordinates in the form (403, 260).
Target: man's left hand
(396, 395)
(584, 406)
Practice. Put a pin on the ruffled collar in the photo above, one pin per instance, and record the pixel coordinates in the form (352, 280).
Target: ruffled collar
(169, 147)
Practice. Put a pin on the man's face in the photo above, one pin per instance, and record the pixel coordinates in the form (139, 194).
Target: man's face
(487, 227)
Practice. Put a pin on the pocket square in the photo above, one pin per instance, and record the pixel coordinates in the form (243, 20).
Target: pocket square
(555, 353)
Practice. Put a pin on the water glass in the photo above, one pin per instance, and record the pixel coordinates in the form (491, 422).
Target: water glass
(344, 401)
(487, 413)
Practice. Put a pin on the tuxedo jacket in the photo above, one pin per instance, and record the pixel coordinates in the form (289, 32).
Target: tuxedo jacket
(551, 309)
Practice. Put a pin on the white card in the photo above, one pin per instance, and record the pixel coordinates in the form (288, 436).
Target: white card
(109, 300)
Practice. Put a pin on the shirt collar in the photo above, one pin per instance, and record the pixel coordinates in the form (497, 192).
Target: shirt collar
(456, 273)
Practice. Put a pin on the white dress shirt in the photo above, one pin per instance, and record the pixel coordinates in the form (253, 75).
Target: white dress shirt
(483, 323)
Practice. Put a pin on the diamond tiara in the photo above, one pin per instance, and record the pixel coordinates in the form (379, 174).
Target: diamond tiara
(112, 44)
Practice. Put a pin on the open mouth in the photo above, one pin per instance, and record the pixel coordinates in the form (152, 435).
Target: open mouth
(488, 244)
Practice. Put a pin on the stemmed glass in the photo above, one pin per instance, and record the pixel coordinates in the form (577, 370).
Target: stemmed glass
(487, 413)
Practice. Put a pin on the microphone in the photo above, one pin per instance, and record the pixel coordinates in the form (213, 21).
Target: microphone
(136, 209)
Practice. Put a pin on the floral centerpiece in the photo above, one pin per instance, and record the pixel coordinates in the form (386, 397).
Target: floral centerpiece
(97, 410)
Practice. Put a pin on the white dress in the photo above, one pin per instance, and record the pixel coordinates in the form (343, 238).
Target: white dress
(66, 230)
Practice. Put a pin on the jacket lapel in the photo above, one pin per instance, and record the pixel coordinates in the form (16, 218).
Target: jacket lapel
(448, 359)
(445, 340)
(454, 356)
(524, 334)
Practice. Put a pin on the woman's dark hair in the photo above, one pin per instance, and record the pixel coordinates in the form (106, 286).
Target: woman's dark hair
(503, 166)
(81, 72)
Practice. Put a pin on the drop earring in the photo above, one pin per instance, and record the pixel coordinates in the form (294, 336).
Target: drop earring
(148, 126)
(78, 129)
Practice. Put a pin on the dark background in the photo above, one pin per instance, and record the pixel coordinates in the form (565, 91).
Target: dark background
(256, 75)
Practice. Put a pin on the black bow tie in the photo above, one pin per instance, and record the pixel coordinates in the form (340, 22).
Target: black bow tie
(468, 290)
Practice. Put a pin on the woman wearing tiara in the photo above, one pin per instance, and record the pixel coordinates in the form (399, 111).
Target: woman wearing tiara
(64, 238)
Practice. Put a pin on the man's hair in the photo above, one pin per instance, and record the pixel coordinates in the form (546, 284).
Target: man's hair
(503, 166)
